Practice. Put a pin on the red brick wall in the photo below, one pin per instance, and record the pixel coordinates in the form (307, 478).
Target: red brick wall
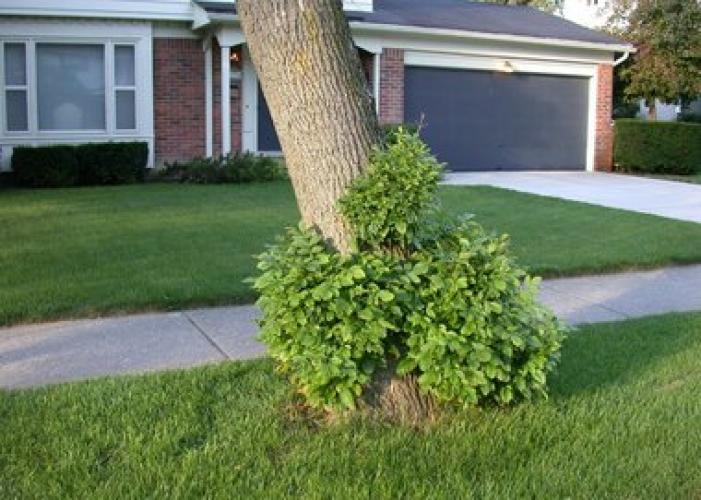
(603, 153)
(178, 81)
(179, 100)
(392, 86)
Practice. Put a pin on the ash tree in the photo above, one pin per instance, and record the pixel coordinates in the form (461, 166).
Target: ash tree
(379, 299)
(313, 82)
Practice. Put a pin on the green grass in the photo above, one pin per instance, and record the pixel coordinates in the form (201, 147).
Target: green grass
(623, 421)
(693, 178)
(553, 237)
(82, 252)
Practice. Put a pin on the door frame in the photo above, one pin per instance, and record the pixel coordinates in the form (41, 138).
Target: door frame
(520, 65)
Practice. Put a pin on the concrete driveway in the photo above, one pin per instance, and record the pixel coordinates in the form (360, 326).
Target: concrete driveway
(676, 200)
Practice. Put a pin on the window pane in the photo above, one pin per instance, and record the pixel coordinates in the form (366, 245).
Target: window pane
(16, 101)
(124, 65)
(71, 86)
(126, 110)
(15, 64)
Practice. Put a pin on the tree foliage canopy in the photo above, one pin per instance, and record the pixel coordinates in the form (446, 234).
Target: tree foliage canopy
(667, 34)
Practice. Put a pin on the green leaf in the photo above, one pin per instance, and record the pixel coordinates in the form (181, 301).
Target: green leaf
(347, 398)
(357, 272)
(366, 314)
(405, 366)
(386, 296)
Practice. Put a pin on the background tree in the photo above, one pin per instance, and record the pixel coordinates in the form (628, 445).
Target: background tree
(667, 33)
(313, 82)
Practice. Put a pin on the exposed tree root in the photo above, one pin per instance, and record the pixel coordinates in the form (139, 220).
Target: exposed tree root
(400, 400)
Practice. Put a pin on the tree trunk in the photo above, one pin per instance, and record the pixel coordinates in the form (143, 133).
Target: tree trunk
(652, 110)
(313, 82)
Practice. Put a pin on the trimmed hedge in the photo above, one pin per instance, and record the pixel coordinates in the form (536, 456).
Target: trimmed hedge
(82, 165)
(113, 163)
(657, 147)
(689, 117)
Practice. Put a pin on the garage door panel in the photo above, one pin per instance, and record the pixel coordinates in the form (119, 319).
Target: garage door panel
(479, 120)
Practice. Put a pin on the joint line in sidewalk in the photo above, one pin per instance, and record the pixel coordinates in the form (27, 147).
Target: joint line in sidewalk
(206, 336)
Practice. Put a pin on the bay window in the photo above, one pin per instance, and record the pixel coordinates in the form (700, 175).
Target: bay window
(56, 87)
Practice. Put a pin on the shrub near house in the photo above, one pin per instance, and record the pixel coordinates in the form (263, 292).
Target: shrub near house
(229, 169)
(657, 147)
(82, 165)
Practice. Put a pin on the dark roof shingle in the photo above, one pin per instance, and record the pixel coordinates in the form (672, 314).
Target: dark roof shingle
(464, 16)
(481, 17)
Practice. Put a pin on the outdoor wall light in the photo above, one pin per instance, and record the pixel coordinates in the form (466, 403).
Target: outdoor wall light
(236, 61)
(506, 67)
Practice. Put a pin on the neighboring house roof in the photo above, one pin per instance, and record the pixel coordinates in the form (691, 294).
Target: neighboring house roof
(462, 15)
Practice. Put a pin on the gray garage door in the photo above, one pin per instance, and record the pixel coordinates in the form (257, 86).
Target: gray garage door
(481, 120)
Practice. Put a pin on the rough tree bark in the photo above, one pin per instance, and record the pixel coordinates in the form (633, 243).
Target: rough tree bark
(313, 82)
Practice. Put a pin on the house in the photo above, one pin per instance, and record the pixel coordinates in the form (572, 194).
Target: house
(497, 87)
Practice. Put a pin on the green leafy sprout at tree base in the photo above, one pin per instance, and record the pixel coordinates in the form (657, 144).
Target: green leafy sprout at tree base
(432, 295)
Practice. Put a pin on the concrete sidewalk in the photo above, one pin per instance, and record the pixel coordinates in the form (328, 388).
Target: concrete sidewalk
(57, 352)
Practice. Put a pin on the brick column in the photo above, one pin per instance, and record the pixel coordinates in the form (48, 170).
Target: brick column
(392, 86)
(603, 152)
(178, 99)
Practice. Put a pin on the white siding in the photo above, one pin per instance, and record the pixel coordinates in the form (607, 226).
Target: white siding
(122, 9)
(166, 10)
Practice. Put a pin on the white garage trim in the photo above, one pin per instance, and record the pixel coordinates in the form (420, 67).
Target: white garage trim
(453, 61)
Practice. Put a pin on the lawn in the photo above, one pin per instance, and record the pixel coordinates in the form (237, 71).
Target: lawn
(83, 252)
(623, 421)
(693, 178)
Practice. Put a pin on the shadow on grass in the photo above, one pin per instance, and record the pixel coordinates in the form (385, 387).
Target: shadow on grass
(612, 354)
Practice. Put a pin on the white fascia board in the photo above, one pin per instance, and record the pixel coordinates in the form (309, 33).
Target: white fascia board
(375, 28)
(200, 17)
(482, 48)
(165, 10)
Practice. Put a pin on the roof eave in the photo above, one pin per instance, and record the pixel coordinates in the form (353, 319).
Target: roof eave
(204, 19)
(379, 28)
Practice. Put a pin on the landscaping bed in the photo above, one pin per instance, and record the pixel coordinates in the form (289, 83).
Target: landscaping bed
(622, 421)
(90, 251)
